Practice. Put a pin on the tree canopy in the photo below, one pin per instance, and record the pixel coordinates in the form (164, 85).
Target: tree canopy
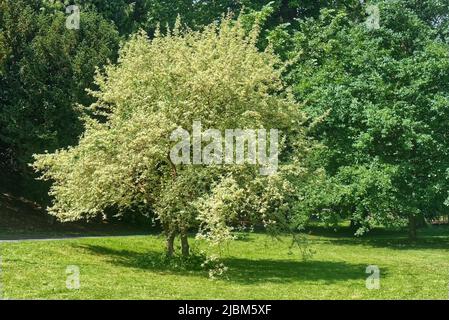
(44, 72)
(216, 76)
(385, 95)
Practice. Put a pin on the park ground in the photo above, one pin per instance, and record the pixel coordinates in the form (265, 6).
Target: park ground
(128, 263)
(259, 268)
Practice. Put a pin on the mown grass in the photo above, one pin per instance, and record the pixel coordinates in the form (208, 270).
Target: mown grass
(259, 268)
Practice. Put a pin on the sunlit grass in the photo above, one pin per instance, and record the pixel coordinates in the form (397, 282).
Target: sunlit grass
(260, 268)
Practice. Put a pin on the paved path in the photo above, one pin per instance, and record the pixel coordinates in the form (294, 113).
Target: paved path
(70, 238)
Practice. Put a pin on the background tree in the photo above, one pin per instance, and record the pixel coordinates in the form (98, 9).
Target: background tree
(386, 95)
(44, 72)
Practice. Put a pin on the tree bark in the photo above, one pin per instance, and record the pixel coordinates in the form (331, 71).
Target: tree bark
(170, 243)
(354, 225)
(185, 244)
(421, 221)
(412, 227)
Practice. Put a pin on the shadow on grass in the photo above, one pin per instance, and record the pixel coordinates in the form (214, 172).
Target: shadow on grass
(245, 271)
(379, 232)
(348, 232)
(241, 270)
(432, 237)
(441, 243)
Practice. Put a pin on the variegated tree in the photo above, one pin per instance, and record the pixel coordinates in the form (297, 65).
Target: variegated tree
(216, 76)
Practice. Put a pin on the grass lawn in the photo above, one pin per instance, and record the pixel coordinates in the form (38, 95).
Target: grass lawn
(260, 268)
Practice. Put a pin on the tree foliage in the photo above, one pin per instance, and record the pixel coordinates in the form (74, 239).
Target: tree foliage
(45, 70)
(385, 96)
(216, 76)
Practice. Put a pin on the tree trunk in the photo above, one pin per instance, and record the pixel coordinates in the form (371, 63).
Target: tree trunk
(412, 227)
(170, 243)
(185, 244)
(421, 222)
(353, 226)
